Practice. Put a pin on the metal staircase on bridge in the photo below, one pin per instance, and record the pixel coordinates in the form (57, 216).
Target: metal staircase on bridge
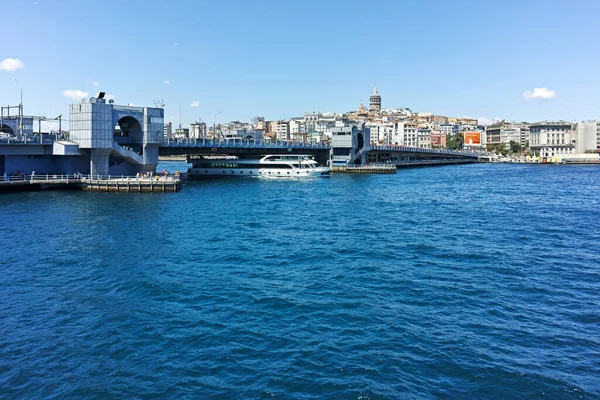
(358, 156)
(129, 155)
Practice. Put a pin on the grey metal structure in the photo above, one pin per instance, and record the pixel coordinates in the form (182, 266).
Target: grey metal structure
(120, 139)
(347, 143)
(10, 126)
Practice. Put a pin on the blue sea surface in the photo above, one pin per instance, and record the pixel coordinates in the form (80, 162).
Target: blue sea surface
(472, 281)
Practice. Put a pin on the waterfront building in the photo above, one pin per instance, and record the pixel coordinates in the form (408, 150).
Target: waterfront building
(552, 138)
(167, 131)
(504, 132)
(587, 137)
(375, 101)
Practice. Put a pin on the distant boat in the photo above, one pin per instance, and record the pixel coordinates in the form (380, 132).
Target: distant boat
(270, 166)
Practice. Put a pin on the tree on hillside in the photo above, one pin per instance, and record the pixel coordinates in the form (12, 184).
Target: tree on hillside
(455, 142)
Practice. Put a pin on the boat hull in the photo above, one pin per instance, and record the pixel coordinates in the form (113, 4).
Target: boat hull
(200, 173)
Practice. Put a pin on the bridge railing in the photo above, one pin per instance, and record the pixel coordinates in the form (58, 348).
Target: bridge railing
(411, 149)
(66, 177)
(243, 143)
(38, 177)
(37, 139)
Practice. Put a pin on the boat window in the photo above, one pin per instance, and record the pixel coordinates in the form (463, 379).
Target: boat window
(271, 166)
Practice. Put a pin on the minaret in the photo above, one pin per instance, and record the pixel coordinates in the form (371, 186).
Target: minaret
(375, 101)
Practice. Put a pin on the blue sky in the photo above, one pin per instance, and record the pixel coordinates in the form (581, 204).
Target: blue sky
(280, 59)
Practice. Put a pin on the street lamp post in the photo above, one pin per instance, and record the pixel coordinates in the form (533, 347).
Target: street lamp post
(215, 123)
(174, 97)
(20, 108)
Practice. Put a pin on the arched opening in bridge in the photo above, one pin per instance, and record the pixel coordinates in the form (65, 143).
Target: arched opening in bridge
(128, 133)
(7, 129)
(361, 141)
(128, 127)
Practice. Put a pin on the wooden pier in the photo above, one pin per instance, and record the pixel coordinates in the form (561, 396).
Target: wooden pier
(132, 185)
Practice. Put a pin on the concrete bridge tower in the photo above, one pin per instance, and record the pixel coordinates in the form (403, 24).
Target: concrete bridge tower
(121, 140)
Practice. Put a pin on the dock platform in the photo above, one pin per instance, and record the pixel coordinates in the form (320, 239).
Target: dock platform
(364, 169)
(25, 183)
(132, 184)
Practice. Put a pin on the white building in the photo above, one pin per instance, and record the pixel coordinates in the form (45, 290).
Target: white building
(197, 130)
(587, 136)
(322, 123)
(424, 138)
(298, 129)
(242, 134)
(504, 132)
(167, 131)
(283, 130)
(552, 138)
(447, 129)
(381, 132)
(410, 135)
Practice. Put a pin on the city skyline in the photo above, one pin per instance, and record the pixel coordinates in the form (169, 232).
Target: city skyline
(492, 61)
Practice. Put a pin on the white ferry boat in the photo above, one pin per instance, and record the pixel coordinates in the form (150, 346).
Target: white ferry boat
(270, 166)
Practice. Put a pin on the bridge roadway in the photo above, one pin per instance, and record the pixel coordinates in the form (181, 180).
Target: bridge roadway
(398, 155)
(403, 156)
(243, 147)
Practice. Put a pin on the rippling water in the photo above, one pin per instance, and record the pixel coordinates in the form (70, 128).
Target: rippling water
(460, 281)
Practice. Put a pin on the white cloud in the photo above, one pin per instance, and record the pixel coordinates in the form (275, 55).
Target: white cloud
(166, 82)
(195, 103)
(487, 121)
(539, 93)
(75, 94)
(96, 83)
(11, 64)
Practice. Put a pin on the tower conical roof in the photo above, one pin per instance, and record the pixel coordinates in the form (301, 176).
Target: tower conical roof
(375, 92)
